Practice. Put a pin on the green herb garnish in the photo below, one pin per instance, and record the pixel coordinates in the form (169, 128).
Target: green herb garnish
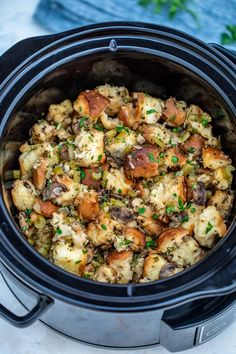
(155, 216)
(191, 149)
(204, 122)
(180, 204)
(170, 209)
(209, 227)
(58, 231)
(174, 159)
(151, 157)
(103, 227)
(150, 111)
(141, 211)
(151, 243)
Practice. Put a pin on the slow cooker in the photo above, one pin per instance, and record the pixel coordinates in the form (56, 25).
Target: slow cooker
(180, 312)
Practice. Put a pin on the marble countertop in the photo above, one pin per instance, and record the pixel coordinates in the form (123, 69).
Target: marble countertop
(16, 24)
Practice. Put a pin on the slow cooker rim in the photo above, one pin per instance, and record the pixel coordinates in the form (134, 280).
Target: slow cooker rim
(108, 284)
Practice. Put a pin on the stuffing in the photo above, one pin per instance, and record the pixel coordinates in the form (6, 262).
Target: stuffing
(102, 230)
(45, 208)
(39, 173)
(179, 247)
(198, 122)
(121, 144)
(121, 263)
(116, 181)
(88, 206)
(60, 113)
(223, 177)
(109, 122)
(68, 257)
(174, 158)
(131, 239)
(223, 201)
(142, 161)
(117, 96)
(209, 225)
(174, 112)
(159, 135)
(42, 132)
(23, 194)
(105, 274)
(90, 104)
(194, 145)
(90, 148)
(214, 158)
(122, 187)
(153, 264)
(169, 194)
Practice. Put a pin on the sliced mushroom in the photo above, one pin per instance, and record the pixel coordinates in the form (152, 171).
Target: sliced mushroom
(199, 193)
(53, 191)
(123, 214)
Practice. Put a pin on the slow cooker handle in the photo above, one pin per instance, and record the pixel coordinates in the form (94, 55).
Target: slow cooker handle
(42, 305)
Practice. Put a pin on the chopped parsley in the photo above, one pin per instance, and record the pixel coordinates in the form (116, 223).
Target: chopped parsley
(170, 209)
(58, 231)
(174, 159)
(28, 211)
(184, 218)
(151, 243)
(175, 195)
(103, 227)
(99, 157)
(176, 129)
(141, 210)
(150, 111)
(82, 122)
(119, 191)
(162, 155)
(82, 174)
(120, 128)
(77, 262)
(191, 149)
(99, 127)
(155, 216)
(84, 251)
(180, 203)
(209, 227)
(151, 157)
(204, 122)
(193, 210)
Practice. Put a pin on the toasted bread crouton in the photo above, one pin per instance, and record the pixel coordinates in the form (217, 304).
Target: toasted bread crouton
(179, 247)
(174, 158)
(169, 193)
(223, 177)
(60, 113)
(194, 145)
(28, 158)
(152, 267)
(198, 121)
(142, 161)
(174, 112)
(39, 173)
(68, 190)
(90, 148)
(42, 132)
(109, 122)
(159, 135)
(88, 206)
(45, 208)
(117, 182)
(208, 226)
(90, 104)
(130, 114)
(23, 194)
(102, 230)
(105, 274)
(131, 238)
(68, 257)
(117, 96)
(121, 263)
(214, 158)
(152, 109)
(223, 201)
(121, 144)
(192, 211)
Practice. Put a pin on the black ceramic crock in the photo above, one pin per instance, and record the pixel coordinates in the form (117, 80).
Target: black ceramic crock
(156, 59)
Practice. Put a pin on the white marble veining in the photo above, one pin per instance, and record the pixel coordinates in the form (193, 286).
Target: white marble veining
(16, 23)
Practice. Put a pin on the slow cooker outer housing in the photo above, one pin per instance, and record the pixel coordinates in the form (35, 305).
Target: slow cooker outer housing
(42, 70)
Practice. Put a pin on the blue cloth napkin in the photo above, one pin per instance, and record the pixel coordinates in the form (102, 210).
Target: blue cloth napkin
(213, 15)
